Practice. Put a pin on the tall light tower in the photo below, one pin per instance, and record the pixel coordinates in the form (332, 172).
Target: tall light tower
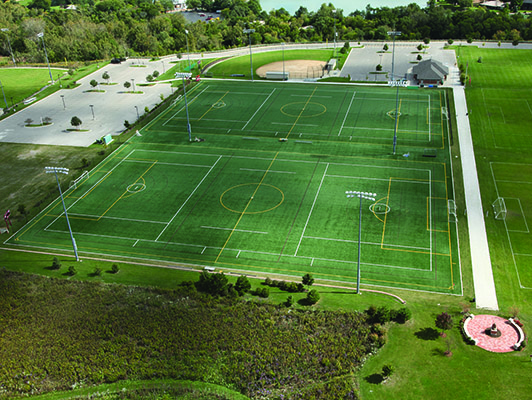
(334, 23)
(186, 75)
(394, 34)
(41, 35)
(9, 44)
(188, 52)
(55, 170)
(361, 196)
(249, 32)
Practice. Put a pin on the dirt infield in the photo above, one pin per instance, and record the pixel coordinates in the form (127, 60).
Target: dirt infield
(296, 68)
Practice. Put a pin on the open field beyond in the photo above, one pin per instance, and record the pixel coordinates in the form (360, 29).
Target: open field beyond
(266, 191)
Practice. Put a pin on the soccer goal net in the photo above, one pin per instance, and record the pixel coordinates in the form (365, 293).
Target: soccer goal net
(74, 184)
(451, 208)
(499, 208)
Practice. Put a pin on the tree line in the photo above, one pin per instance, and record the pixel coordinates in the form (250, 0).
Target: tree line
(122, 28)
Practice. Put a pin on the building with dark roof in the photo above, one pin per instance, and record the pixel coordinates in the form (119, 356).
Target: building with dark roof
(430, 72)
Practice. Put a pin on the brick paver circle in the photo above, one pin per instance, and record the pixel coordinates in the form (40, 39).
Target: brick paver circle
(477, 329)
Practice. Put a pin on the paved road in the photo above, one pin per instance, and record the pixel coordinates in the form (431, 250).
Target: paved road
(111, 108)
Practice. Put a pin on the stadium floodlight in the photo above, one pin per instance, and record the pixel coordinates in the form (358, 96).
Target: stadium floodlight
(249, 32)
(188, 52)
(186, 75)
(334, 23)
(362, 196)
(9, 44)
(394, 34)
(55, 170)
(41, 35)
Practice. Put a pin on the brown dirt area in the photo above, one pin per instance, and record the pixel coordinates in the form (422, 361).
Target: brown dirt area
(296, 68)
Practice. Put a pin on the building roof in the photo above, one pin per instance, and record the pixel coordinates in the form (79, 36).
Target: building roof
(430, 70)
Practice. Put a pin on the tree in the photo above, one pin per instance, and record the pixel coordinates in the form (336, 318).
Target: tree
(312, 297)
(56, 264)
(419, 57)
(28, 121)
(419, 47)
(76, 122)
(97, 271)
(93, 83)
(289, 301)
(387, 370)
(385, 47)
(214, 284)
(150, 78)
(378, 67)
(106, 76)
(22, 209)
(308, 280)
(242, 285)
(155, 74)
(115, 269)
(444, 322)
(47, 120)
(71, 270)
(127, 84)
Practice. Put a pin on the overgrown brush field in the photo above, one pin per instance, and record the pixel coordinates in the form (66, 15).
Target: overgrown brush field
(57, 334)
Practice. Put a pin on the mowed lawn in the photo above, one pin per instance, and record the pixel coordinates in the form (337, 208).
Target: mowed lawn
(500, 112)
(20, 83)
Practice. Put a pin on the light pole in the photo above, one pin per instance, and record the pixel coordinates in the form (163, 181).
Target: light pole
(61, 170)
(92, 109)
(334, 23)
(41, 35)
(361, 196)
(133, 81)
(249, 32)
(188, 52)
(284, 74)
(63, 98)
(138, 117)
(394, 34)
(9, 44)
(5, 100)
(184, 75)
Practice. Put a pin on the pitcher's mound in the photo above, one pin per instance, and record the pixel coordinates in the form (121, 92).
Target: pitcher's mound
(296, 68)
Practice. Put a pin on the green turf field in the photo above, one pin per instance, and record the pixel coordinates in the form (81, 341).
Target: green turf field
(266, 191)
(500, 109)
(20, 83)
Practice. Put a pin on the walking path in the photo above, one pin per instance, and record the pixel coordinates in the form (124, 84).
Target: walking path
(485, 294)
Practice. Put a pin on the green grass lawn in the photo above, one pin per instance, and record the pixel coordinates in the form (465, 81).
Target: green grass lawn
(20, 83)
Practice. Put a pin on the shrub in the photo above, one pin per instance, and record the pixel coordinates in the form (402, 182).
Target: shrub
(71, 270)
(312, 297)
(426, 40)
(378, 315)
(401, 315)
(268, 282)
(387, 370)
(378, 67)
(307, 280)
(97, 271)
(450, 41)
(56, 264)
(242, 285)
(115, 269)
(444, 321)
(289, 301)
(127, 125)
(213, 284)
(479, 60)
(263, 292)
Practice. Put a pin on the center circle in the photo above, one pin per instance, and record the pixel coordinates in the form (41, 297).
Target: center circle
(252, 198)
(303, 109)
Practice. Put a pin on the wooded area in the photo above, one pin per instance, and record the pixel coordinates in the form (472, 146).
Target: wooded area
(109, 28)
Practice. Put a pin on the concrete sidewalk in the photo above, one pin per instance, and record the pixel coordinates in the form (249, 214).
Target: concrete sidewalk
(485, 294)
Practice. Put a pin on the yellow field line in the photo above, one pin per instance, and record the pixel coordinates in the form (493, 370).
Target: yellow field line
(212, 107)
(125, 192)
(95, 186)
(301, 113)
(247, 205)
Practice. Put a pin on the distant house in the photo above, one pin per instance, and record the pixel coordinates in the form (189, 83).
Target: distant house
(430, 72)
(494, 4)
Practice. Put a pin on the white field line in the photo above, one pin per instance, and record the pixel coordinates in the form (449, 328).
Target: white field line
(318, 97)
(220, 120)
(347, 113)
(263, 170)
(134, 244)
(522, 215)
(236, 230)
(291, 124)
(258, 109)
(377, 179)
(510, 181)
(188, 198)
(185, 153)
(370, 243)
(182, 108)
(117, 218)
(428, 101)
(243, 93)
(380, 166)
(312, 208)
(430, 216)
(386, 129)
(165, 163)
(523, 254)
(403, 96)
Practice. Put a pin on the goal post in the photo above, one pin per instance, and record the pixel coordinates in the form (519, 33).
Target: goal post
(74, 184)
(451, 209)
(499, 208)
